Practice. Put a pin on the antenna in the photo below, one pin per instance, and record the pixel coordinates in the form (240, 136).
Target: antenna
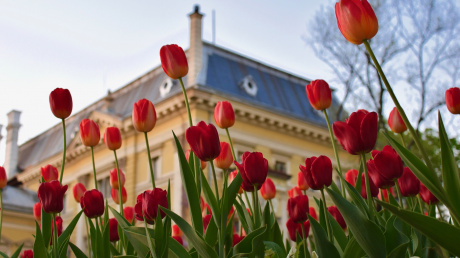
(214, 27)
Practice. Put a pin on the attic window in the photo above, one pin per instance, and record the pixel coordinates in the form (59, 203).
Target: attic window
(165, 87)
(249, 85)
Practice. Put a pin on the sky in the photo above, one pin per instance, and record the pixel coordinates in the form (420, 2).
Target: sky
(90, 47)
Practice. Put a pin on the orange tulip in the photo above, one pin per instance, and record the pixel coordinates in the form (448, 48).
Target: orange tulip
(395, 122)
(144, 116)
(89, 133)
(268, 189)
(112, 138)
(356, 20)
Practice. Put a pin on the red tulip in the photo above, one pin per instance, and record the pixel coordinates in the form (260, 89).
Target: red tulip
(173, 61)
(374, 189)
(317, 172)
(409, 185)
(453, 100)
(206, 220)
(358, 133)
(59, 228)
(3, 180)
(232, 176)
(78, 191)
(148, 203)
(90, 134)
(51, 195)
(92, 203)
(178, 239)
(302, 182)
(38, 212)
(356, 20)
(224, 115)
(351, 176)
(312, 212)
(385, 167)
(113, 230)
(295, 191)
(116, 197)
(426, 195)
(396, 122)
(225, 158)
(204, 141)
(236, 239)
(268, 189)
(298, 208)
(144, 115)
(385, 194)
(49, 173)
(61, 103)
(112, 138)
(128, 213)
(337, 216)
(319, 94)
(114, 178)
(27, 254)
(296, 228)
(176, 231)
(254, 170)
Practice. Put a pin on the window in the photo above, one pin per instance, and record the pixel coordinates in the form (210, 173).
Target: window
(104, 187)
(280, 166)
(249, 85)
(165, 87)
(155, 167)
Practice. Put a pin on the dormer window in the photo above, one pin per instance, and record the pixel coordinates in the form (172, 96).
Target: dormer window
(249, 85)
(165, 87)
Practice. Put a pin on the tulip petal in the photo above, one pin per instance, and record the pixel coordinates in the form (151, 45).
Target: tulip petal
(368, 131)
(347, 137)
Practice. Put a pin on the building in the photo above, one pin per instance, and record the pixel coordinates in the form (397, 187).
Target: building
(273, 116)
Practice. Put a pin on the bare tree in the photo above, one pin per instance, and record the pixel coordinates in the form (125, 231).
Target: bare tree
(417, 45)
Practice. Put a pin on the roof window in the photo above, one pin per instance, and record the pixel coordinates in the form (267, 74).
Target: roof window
(166, 86)
(249, 85)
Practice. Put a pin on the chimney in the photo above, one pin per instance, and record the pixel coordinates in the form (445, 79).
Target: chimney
(1, 136)
(12, 133)
(196, 46)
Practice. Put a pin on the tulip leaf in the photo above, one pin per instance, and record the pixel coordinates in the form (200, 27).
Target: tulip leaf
(191, 233)
(394, 238)
(63, 239)
(366, 232)
(46, 221)
(210, 198)
(16, 253)
(324, 248)
(2, 254)
(251, 245)
(150, 241)
(176, 248)
(231, 193)
(444, 234)
(420, 170)
(357, 199)
(243, 215)
(188, 182)
(450, 175)
(277, 251)
(210, 236)
(39, 245)
(337, 232)
(77, 252)
(353, 249)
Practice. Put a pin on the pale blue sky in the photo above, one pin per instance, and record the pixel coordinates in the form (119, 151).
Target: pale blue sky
(90, 47)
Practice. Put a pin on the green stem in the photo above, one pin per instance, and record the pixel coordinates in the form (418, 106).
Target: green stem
(94, 168)
(63, 153)
(88, 239)
(120, 187)
(97, 233)
(152, 176)
(271, 206)
(421, 205)
(399, 193)
(231, 144)
(398, 106)
(402, 140)
(336, 153)
(186, 102)
(215, 179)
(1, 212)
(305, 237)
(249, 203)
(55, 237)
(329, 231)
(368, 186)
(221, 243)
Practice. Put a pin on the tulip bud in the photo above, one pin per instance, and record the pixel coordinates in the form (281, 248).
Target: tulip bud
(317, 172)
(453, 100)
(268, 189)
(427, 196)
(27, 254)
(224, 116)
(78, 191)
(173, 61)
(204, 141)
(148, 203)
(358, 133)
(356, 20)
(253, 170)
(385, 167)
(114, 178)
(296, 228)
(144, 116)
(298, 208)
(112, 138)
(49, 173)
(232, 176)
(38, 212)
(396, 122)
(59, 227)
(337, 216)
(128, 212)
(178, 239)
(225, 158)
(113, 230)
(236, 239)
(61, 103)
(206, 220)
(3, 180)
(408, 183)
(92, 203)
(176, 231)
(90, 134)
(351, 176)
(51, 195)
(374, 189)
(202, 163)
(302, 182)
(115, 195)
(313, 214)
(295, 191)
(384, 194)
(319, 94)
